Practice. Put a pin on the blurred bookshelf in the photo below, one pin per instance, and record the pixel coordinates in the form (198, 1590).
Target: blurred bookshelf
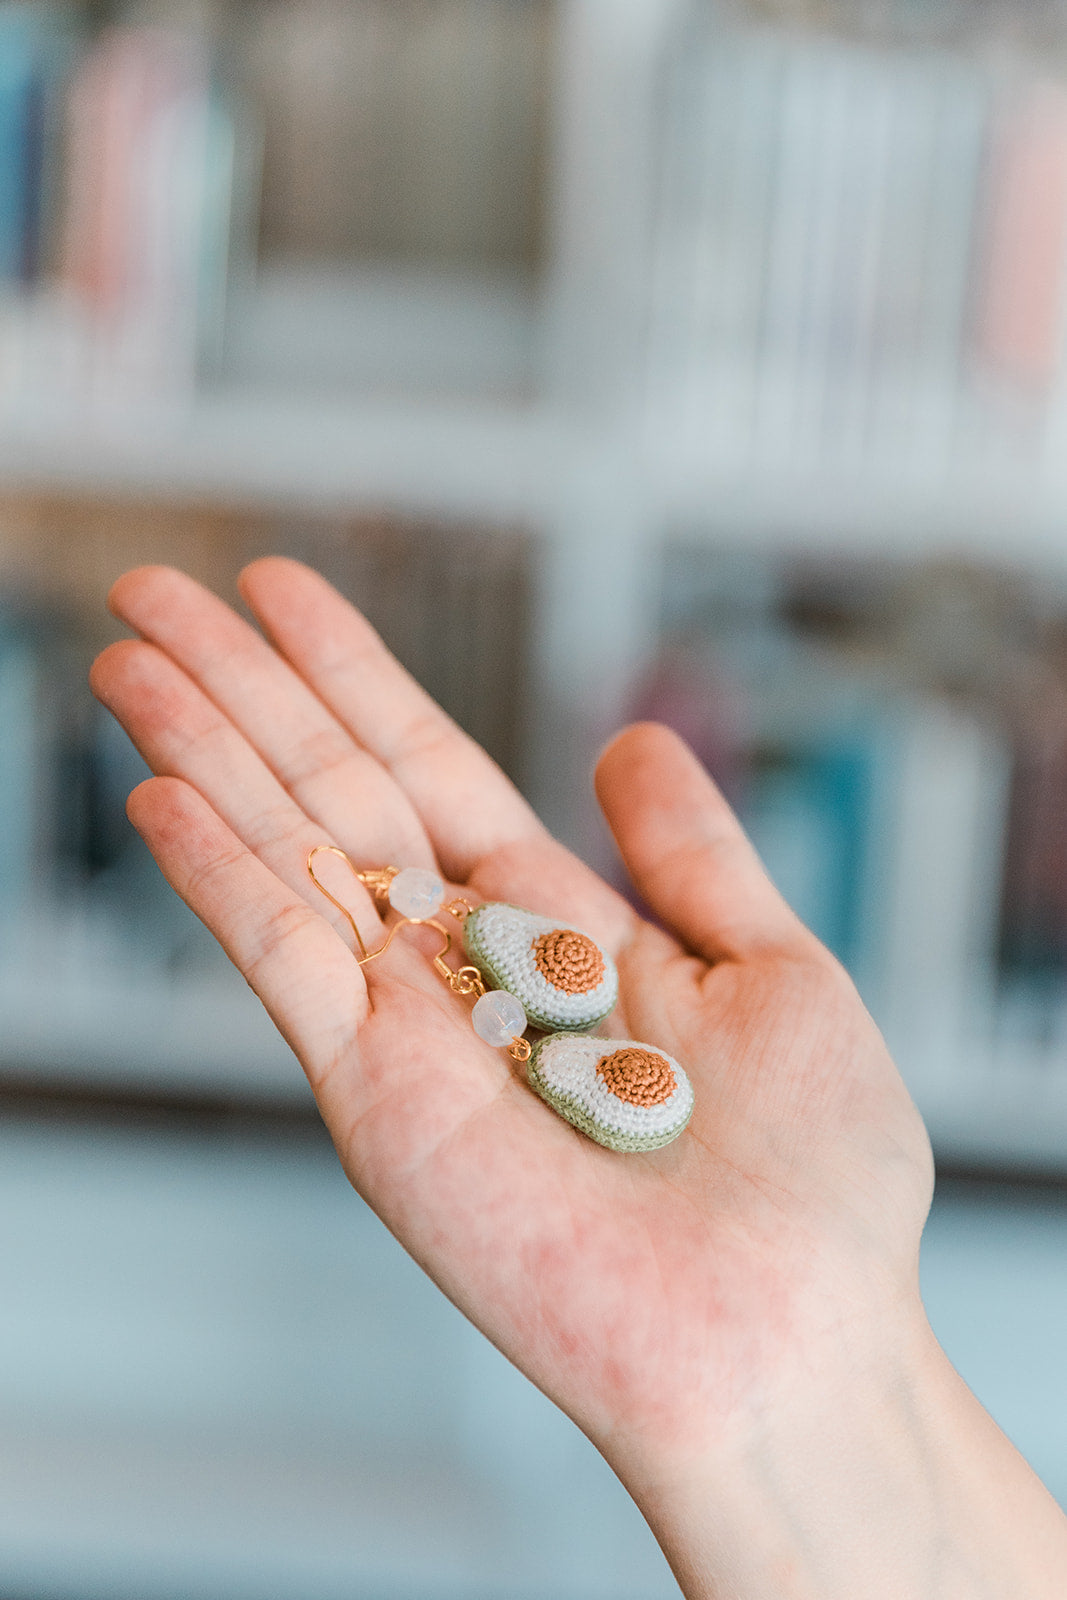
(703, 361)
(619, 358)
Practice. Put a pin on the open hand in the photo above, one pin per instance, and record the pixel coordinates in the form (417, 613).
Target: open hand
(671, 1302)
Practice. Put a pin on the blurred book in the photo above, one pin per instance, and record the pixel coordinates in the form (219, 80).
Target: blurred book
(1032, 951)
(807, 810)
(35, 46)
(149, 175)
(815, 252)
(402, 129)
(935, 883)
(410, 130)
(714, 210)
(691, 692)
(21, 760)
(451, 600)
(21, 115)
(1022, 265)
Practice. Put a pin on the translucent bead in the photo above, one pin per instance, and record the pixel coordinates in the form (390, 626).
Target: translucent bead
(498, 1017)
(414, 892)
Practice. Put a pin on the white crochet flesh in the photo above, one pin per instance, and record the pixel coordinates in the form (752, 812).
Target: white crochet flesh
(499, 939)
(563, 1071)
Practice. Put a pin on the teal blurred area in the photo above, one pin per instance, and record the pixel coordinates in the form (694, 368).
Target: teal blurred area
(995, 1286)
(220, 1376)
(700, 360)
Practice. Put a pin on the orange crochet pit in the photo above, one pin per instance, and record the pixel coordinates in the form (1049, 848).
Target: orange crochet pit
(570, 961)
(638, 1076)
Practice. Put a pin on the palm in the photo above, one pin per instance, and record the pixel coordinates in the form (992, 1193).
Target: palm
(644, 1293)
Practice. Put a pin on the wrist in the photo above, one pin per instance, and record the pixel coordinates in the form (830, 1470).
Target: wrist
(864, 1466)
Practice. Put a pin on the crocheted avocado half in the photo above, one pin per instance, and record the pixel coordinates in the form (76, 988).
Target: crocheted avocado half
(562, 976)
(625, 1095)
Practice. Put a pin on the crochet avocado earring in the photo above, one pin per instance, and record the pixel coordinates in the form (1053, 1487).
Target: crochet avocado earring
(532, 971)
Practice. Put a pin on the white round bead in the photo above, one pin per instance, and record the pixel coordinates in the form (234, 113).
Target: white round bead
(498, 1017)
(414, 892)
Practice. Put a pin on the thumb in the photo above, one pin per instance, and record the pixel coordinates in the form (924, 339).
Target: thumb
(687, 853)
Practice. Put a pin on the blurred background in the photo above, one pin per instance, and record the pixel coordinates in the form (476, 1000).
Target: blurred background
(619, 358)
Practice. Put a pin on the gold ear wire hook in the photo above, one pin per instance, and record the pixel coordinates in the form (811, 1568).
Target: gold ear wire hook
(467, 980)
(461, 980)
(377, 882)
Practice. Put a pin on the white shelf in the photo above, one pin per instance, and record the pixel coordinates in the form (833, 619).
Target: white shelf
(1005, 516)
(486, 460)
(944, 474)
(523, 461)
(83, 1011)
(387, 327)
(336, 391)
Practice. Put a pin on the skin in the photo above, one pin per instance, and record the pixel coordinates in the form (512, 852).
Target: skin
(733, 1320)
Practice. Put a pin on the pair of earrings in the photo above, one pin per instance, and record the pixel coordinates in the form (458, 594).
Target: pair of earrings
(530, 971)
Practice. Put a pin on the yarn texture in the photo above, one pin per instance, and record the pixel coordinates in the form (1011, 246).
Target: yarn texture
(561, 975)
(574, 1075)
(569, 960)
(639, 1076)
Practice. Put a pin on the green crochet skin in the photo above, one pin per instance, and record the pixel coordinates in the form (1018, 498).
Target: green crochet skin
(579, 1116)
(497, 938)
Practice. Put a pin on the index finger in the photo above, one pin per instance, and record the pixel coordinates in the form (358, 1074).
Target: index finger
(467, 805)
(330, 776)
(482, 830)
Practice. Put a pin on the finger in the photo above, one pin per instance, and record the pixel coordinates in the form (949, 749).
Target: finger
(482, 830)
(357, 801)
(182, 734)
(687, 853)
(294, 961)
(467, 805)
(331, 777)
